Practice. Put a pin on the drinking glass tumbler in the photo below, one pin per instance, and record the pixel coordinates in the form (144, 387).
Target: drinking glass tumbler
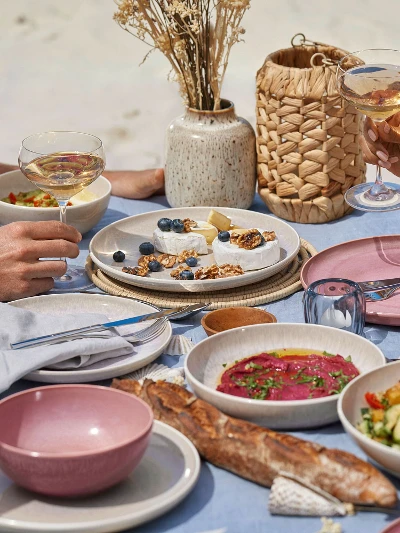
(335, 302)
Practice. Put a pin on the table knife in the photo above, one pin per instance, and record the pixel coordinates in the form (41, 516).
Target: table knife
(44, 339)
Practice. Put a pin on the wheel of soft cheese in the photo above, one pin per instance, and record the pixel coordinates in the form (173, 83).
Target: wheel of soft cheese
(170, 242)
(261, 257)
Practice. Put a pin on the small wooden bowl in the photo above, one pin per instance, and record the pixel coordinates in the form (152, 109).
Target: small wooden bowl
(234, 317)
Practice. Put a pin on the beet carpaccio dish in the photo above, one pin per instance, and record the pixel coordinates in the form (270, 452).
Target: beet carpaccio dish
(288, 374)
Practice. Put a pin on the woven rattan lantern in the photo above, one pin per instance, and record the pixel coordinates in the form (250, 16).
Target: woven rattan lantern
(307, 136)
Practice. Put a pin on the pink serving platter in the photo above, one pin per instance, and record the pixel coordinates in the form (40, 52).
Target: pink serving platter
(372, 258)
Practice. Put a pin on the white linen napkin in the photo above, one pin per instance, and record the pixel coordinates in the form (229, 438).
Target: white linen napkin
(20, 324)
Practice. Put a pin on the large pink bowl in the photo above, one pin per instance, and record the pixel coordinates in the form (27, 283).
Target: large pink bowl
(72, 440)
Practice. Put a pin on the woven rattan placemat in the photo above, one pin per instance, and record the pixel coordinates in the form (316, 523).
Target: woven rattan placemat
(277, 287)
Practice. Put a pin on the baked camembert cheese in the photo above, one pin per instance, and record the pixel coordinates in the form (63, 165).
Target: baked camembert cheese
(251, 249)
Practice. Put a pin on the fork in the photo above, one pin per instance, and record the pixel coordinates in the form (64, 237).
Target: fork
(379, 295)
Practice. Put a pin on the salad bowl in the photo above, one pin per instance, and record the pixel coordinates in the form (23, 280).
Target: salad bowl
(349, 409)
(87, 209)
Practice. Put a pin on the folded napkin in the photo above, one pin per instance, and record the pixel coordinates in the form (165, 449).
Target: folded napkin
(20, 324)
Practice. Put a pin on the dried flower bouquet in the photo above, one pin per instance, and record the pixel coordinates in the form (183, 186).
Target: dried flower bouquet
(195, 35)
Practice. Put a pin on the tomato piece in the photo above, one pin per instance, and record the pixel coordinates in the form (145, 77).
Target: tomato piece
(29, 200)
(46, 197)
(36, 203)
(373, 400)
(12, 198)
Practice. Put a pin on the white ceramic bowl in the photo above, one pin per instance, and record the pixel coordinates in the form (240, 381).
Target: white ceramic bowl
(83, 217)
(203, 368)
(352, 400)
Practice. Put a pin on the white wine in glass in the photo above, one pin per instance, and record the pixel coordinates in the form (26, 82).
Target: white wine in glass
(63, 163)
(370, 80)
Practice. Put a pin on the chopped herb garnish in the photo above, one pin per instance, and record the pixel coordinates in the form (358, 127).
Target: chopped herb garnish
(298, 373)
(224, 364)
(328, 354)
(348, 359)
(274, 354)
(306, 379)
(318, 382)
(254, 365)
(237, 360)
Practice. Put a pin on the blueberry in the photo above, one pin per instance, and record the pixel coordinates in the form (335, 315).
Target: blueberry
(164, 224)
(186, 274)
(262, 240)
(146, 248)
(224, 236)
(154, 266)
(177, 225)
(118, 256)
(191, 261)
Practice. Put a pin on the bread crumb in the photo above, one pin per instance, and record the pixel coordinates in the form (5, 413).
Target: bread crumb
(329, 526)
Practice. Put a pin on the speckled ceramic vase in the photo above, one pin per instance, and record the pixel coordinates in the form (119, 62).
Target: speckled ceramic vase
(210, 159)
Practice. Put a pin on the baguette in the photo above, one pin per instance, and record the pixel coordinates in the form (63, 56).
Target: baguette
(257, 453)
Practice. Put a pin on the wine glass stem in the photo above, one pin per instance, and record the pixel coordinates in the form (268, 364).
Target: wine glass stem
(378, 187)
(63, 218)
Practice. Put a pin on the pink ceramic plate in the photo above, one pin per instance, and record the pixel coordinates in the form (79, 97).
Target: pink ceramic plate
(367, 259)
(394, 527)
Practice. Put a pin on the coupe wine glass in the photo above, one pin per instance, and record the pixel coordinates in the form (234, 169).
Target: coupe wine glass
(63, 163)
(370, 80)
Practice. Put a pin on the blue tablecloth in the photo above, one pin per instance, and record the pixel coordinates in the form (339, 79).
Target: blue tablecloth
(220, 499)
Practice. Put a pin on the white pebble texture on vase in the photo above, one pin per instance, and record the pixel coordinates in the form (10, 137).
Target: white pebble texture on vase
(210, 159)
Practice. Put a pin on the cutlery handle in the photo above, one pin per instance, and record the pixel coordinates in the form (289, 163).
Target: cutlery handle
(44, 339)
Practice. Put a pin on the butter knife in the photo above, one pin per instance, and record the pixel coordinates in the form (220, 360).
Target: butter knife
(44, 339)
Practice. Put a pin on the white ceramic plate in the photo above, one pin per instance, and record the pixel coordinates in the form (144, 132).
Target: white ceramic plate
(203, 369)
(129, 233)
(114, 308)
(166, 474)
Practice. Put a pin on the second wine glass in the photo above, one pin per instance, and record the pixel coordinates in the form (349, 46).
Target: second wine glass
(63, 163)
(370, 80)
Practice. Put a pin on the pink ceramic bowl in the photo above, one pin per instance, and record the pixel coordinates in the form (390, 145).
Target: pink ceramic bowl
(72, 440)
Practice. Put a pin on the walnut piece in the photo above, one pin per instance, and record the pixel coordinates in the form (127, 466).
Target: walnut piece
(207, 272)
(188, 224)
(175, 273)
(269, 235)
(227, 270)
(144, 260)
(249, 240)
(136, 271)
(185, 254)
(167, 260)
(234, 237)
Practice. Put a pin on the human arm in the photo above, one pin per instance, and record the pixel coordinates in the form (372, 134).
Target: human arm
(22, 244)
(135, 184)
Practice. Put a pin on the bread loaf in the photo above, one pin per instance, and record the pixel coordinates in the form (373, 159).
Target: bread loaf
(259, 454)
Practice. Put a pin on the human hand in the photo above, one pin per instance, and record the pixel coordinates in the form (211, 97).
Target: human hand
(21, 246)
(136, 184)
(381, 143)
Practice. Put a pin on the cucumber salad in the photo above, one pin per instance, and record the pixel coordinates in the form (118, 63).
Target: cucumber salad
(381, 420)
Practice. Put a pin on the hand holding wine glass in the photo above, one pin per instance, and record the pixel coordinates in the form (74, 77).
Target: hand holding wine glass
(381, 143)
(370, 81)
(63, 163)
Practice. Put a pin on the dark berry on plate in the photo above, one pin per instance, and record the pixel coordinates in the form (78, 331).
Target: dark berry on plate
(118, 256)
(191, 261)
(224, 236)
(146, 248)
(177, 225)
(262, 240)
(186, 274)
(154, 266)
(164, 224)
